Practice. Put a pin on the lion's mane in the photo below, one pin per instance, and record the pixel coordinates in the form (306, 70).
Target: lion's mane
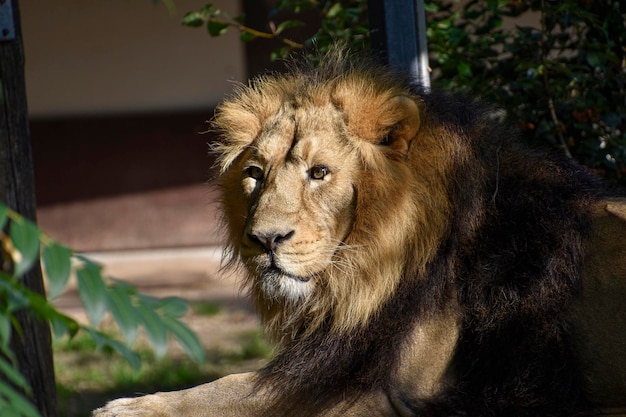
(465, 216)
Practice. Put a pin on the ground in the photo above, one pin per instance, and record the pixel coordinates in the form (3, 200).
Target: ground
(220, 315)
(128, 234)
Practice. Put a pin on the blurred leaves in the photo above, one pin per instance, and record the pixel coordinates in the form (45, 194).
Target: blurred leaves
(557, 67)
(25, 239)
(339, 20)
(57, 263)
(93, 292)
(22, 247)
(218, 22)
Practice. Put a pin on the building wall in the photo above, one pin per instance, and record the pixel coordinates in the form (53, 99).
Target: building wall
(88, 57)
(118, 93)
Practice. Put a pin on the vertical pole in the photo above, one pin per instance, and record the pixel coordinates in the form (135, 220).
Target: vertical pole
(423, 73)
(31, 346)
(398, 36)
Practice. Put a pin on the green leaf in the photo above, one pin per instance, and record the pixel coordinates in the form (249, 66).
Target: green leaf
(464, 69)
(86, 261)
(187, 339)
(25, 237)
(15, 293)
(7, 354)
(216, 28)
(5, 331)
(62, 325)
(103, 340)
(13, 403)
(208, 9)
(124, 312)
(193, 19)
(247, 36)
(288, 24)
(92, 292)
(431, 7)
(174, 307)
(334, 10)
(42, 309)
(13, 375)
(155, 329)
(3, 210)
(57, 262)
(148, 301)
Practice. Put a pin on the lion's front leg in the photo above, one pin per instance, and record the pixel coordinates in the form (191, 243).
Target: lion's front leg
(237, 396)
(231, 396)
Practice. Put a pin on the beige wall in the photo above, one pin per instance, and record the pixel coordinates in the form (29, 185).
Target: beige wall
(114, 56)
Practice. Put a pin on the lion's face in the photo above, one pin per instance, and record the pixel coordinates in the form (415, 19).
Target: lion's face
(327, 196)
(295, 199)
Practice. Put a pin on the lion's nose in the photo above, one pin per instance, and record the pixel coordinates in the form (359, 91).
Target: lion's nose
(270, 241)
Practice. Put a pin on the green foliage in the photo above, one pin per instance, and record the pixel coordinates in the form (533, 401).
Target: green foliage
(21, 247)
(205, 308)
(561, 77)
(339, 21)
(217, 23)
(254, 346)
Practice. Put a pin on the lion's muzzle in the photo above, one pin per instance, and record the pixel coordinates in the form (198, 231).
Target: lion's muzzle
(269, 241)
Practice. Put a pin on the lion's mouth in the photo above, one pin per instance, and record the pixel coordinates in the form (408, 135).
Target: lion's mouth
(276, 271)
(276, 283)
(300, 279)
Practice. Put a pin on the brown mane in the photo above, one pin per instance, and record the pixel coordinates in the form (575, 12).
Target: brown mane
(397, 206)
(452, 217)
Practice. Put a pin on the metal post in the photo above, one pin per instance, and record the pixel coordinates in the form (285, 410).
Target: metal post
(398, 35)
(7, 27)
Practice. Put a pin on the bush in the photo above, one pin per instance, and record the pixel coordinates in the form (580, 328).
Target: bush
(561, 79)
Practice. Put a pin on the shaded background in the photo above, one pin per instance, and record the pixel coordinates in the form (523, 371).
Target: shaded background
(119, 95)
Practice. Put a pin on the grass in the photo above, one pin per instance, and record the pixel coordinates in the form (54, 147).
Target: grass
(254, 346)
(205, 308)
(87, 379)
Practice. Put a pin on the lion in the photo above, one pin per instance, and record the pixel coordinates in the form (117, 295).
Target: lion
(409, 256)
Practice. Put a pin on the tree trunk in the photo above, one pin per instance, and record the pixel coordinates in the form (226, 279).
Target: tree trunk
(32, 347)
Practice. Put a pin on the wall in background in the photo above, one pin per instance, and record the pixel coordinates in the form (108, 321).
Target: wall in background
(86, 57)
(118, 93)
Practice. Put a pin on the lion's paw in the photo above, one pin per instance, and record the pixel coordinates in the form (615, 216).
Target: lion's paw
(146, 406)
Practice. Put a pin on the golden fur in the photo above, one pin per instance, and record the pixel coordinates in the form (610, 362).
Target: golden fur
(396, 206)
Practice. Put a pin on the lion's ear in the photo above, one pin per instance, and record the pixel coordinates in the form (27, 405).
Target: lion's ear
(402, 116)
(378, 117)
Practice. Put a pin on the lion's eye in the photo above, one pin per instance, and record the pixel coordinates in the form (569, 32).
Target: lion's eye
(254, 172)
(318, 172)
